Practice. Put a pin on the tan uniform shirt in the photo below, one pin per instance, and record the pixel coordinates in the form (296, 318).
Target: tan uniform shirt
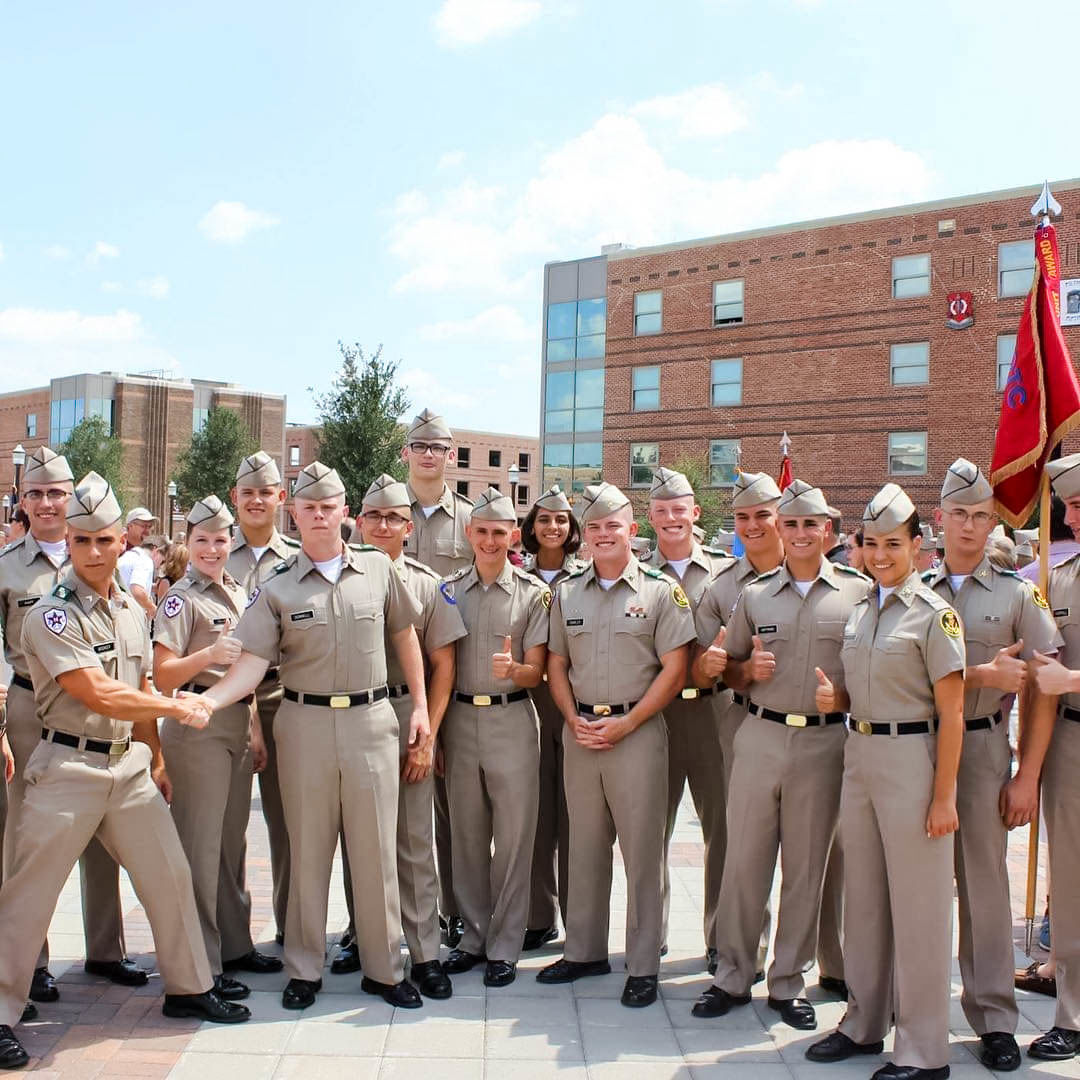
(74, 627)
(328, 638)
(514, 604)
(26, 574)
(1065, 607)
(439, 541)
(250, 573)
(714, 608)
(614, 638)
(439, 624)
(997, 608)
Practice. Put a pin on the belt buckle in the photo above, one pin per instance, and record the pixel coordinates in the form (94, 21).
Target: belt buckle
(340, 701)
(481, 699)
(601, 710)
(864, 727)
(117, 750)
(689, 693)
(795, 720)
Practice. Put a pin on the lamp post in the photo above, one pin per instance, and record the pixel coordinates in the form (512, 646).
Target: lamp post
(171, 492)
(514, 473)
(18, 459)
(7, 509)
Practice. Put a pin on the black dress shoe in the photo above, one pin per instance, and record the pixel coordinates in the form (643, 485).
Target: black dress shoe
(431, 980)
(537, 939)
(453, 928)
(759, 977)
(717, 1002)
(836, 987)
(459, 960)
(711, 960)
(347, 960)
(910, 1072)
(1000, 1051)
(12, 1054)
(639, 991)
(838, 1047)
(29, 1013)
(565, 971)
(122, 972)
(208, 1006)
(300, 993)
(402, 995)
(499, 973)
(795, 1012)
(43, 986)
(1058, 1044)
(230, 989)
(256, 962)
(279, 937)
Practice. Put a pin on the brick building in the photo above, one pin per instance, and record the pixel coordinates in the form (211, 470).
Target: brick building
(833, 330)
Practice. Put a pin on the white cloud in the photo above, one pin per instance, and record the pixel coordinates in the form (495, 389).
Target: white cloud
(450, 160)
(498, 323)
(233, 222)
(112, 287)
(57, 252)
(460, 23)
(41, 325)
(706, 112)
(156, 287)
(103, 250)
(426, 388)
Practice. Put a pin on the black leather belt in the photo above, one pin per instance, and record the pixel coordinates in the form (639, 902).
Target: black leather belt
(796, 719)
(113, 748)
(692, 693)
(338, 701)
(271, 675)
(491, 699)
(198, 688)
(905, 727)
(739, 699)
(986, 723)
(26, 684)
(399, 691)
(1070, 714)
(604, 710)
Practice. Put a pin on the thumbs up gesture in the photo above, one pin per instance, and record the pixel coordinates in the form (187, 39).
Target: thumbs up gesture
(825, 694)
(1007, 671)
(714, 658)
(762, 663)
(502, 663)
(226, 650)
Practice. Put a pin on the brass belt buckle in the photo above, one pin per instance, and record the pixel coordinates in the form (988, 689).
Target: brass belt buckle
(340, 701)
(863, 727)
(795, 720)
(481, 699)
(689, 693)
(117, 750)
(601, 710)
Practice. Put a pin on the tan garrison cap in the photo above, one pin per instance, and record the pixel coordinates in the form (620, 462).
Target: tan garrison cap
(211, 514)
(928, 535)
(93, 507)
(1065, 476)
(429, 426)
(753, 489)
(386, 492)
(725, 540)
(800, 498)
(1025, 536)
(493, 505)
(965, 484)
(601, 501)
(669, 484)
(887, 510)
(318, 481)
(553, 499)
(45, 467)
(258, 469)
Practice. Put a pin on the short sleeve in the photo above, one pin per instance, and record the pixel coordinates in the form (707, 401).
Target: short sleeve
(259, 630)
(442, 621)
(556, 628)
(402, 608)
(54, 635)
(674, 623)
(174, 621)
(536, 629)
(709, 618)
(945, 651)
(1036, 625)
(739, 642)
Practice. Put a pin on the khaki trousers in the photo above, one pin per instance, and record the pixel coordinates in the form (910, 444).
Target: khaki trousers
(552, 845)
(210, 770)
(785, 794)
(448, 904)
(982, 884)
(897, 900)
(99, 876)
(620, 793)
(71, 797)
(830, 950)
(342, 776)
(1061, 808)
(492, 778)
(273, 810)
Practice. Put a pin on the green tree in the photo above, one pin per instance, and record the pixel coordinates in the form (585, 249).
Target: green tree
(361, 436)
(207, 465)
(91, 445)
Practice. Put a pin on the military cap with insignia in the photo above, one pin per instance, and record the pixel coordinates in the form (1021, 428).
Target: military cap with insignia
(44, 466)
(428, 425)
(600, 501)
(94, 505)
(318, 481)
(1065, 476)
(801, 499)
(965, 484)
(887, 510)
(553, 499)
(669, 484)
(753, 489)
(386, 492)
(258, 470)
(493, 505)
(211, 514)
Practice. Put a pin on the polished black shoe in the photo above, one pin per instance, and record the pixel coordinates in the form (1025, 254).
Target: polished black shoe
(256, 962)
(711, 960)
(639, 991)
(29, 1013)
(43, 986)
(537, 939)
(836, 987)
(838, 1047)
(208, 1006)
(999, 1051)
(759, 977)
(910, 1072)
(347, 960)
(122, 972)
(12, 1054)
(300, 993)
(1058, 1044)
(453, 930)
(230, 989)
(564, 971)
(279, 937)
(459, 961)
(499, 973)
(717, 1002)
(402, 995)
(431, 980)
(795, 1012)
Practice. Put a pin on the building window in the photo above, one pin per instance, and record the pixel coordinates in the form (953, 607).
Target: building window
(31, 425)
(907, 453)
(294, 455)
(576, 328)
(463, 457)
(588, 464)
(292, 486)
(523, 494)
(723, 462)
(198, 420)
(495, 485)
(589, 400)
(644, 457)
(910, 276)
(727, 303)
(65, 415)
(1006, 346)
(463, 488)
(523, 461)
(494, 459)
(726, 386)
(909, 364)
(646, 389)
(1016, 267)
(647, 313)
(591, 328)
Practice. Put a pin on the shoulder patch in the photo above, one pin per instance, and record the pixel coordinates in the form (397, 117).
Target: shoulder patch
(545, 598)
(252, 598)
(1038, 597)
(62, 592)
(950, 623)
(173, 605)
(447, 590)
(679, 596)
(55, 620)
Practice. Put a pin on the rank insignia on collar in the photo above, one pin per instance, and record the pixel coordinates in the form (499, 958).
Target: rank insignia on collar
(950, 623)
(56, 620)
(679, 596)
(173, 605)
(1038, 597)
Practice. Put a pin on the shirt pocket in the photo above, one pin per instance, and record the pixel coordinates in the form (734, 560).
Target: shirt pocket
(368, 618)
(303, 622)
(831, 629)
(450, 547)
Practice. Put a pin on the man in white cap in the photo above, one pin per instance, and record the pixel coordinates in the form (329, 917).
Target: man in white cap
(618, 652)
(136, 565)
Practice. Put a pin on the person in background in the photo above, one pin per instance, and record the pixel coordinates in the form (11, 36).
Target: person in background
(173, 568)
(1063, 543)
(838, 553)
(19, 526)
(855, 550)
(136, 565)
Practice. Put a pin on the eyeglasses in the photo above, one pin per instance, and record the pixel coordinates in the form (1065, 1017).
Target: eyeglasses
(53, 495)
(980, 518)
(393, 521)
(422, 448)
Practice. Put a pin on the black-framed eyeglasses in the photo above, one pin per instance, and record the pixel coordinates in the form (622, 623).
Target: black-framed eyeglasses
(53, 495)
(421, 448)
(393, 521)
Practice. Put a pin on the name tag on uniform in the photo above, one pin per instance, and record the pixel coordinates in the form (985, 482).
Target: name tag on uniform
(302, 616)
(1061, 612)
(105, 646)
(220, 622)
(28, 601)
(634, 611)
(992, 618)
(575, 622)
(767, 629)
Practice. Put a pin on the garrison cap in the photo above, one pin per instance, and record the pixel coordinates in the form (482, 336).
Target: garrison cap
(1065, 476)
(318, 481)
(386, 492)
(44, 466)
(94, 506)
(553, 499)
(493, 505)
(753, 489)
(965, 484)
(258, 469)
(429, 426)
(211, 514)
(800, 498)
(929, 536)
(1025, 536)
(601, 501)
(887, 510)
(669, 484)
(725, 540)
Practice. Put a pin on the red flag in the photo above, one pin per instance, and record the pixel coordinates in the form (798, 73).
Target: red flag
(785, 474)
(1041, 401)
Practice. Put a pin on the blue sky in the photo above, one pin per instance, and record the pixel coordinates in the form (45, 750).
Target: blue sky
(225, 190)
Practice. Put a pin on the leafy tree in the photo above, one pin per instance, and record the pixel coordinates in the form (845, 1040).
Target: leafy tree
(207, 465)
(361, 436)
(92, 446)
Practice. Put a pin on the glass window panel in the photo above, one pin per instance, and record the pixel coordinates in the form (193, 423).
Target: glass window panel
(910, 276)
(560, 350)
(645, 302)
(560, 390)
(590, 388)
(647, 313)
(559, 421)
(909, 364)
(80, 411)
(589, 346)
(1006, 346)
(557, 454)
(647, 378)
(647, 324)
(589, 420)
(723, 462)
(644, 457)
(67, 413)
(907, 452)
(727, 292)
(54, 413)
(1018, 255)
(588, 464)
(1016, 282)
(591, 316)
(726, 382)
(561, 319)
(910, 265)
(905, 287)
(646, 400)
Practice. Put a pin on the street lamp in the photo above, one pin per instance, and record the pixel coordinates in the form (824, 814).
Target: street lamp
(514, 473)
(18, 459)
(7, 509)
(171, 492)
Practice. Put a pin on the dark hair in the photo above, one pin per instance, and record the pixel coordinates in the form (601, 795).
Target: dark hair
(1058, 529)
(528, 532)
(837, 520)
(857, 537)
(913, 526)
(23, 518)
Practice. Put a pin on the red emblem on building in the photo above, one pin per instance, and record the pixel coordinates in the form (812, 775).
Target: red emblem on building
(960, 310)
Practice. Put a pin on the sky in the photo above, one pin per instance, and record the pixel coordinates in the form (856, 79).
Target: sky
(225, 191)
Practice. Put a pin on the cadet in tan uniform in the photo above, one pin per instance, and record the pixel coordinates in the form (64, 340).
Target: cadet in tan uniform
(438, 540)
(618, 653)
(903, 658)
(1006, 621)
(491, 741)
(322, 617)
(783, 642)
(256, 549)
(694, 753)
(29, 569)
